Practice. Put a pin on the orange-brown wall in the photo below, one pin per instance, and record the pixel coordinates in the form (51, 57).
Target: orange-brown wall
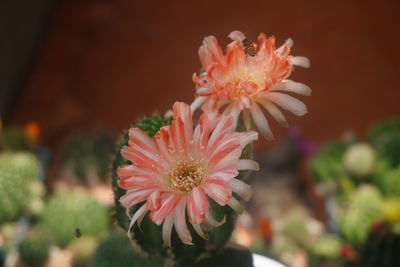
(109, 62)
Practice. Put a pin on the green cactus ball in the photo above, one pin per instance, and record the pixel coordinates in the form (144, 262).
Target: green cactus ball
(17, 172)
(34, 249)
(359, 160)
(72, 214)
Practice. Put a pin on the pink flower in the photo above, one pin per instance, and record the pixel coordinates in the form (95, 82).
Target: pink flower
(175, 171)
(244, 82)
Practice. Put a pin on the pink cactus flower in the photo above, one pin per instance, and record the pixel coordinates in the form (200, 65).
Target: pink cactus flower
(174, 172)
(250, 76)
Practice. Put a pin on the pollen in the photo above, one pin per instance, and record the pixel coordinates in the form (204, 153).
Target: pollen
(186, 175)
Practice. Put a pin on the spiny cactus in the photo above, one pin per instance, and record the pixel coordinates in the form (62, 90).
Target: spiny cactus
(116, 250)
(381, 248)
(34, 249)
(359, 160)
(385, 136)
(359, 213)
(74, 213)
(327, 163)
(17, 171)
(148, 239)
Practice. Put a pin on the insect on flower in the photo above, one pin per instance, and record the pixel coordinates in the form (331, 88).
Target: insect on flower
(173, 173)
(249, 47)
(246, 82)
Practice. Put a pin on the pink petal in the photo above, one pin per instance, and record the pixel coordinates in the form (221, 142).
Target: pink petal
(247, 164)
(219, 193)
(135, 196)
(168, 203)
(274, 111)
(167, 229)
(291, 86)
(247, 137)
(154, 200)
(224, 126)
(237, 36)
(140, 138)
(197, 103)
(182, 128)
(229, 160)
(210, 52)
(135, 182)
(161, 140)
(224, 175)
(261, 122)
(141, 158)
(241, 188)
(197, 205)
(300, 61)
(180, 222)
(288, 102)
(207, 123)
(142, 210)
(128, 170)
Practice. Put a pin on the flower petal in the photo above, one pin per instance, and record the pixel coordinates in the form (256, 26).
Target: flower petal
(221, 194)
(261, 122)
(274, 111)
(154, 200)
(247, 164)
(235, 205)
(180, 223)
(142, 210)
(246, 137)
(199, 231)
(300, 61)
(139, 137)
(132, 197)
(291, 86)
(168, 203)
(288, 102)
(167, 229)
(197, 103)
(241, 188)
(224, 175)
(197, 205)
(210, 220)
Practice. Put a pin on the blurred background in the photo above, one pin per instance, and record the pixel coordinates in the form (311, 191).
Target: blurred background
(74, 74)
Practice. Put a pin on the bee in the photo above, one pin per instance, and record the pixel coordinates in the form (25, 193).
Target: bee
(78, 233)
(249, 47)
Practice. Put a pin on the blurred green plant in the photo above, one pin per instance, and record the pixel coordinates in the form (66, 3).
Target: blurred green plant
(359, 160)
(385, 136)
(359, 213)
(69, 215)
(13, 139)
(83, 249)
(326, 164)
(18, 171)
(89, 154)
(327, 246)
(34, 249)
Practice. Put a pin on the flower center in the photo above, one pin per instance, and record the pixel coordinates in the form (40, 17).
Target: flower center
(186, 175)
